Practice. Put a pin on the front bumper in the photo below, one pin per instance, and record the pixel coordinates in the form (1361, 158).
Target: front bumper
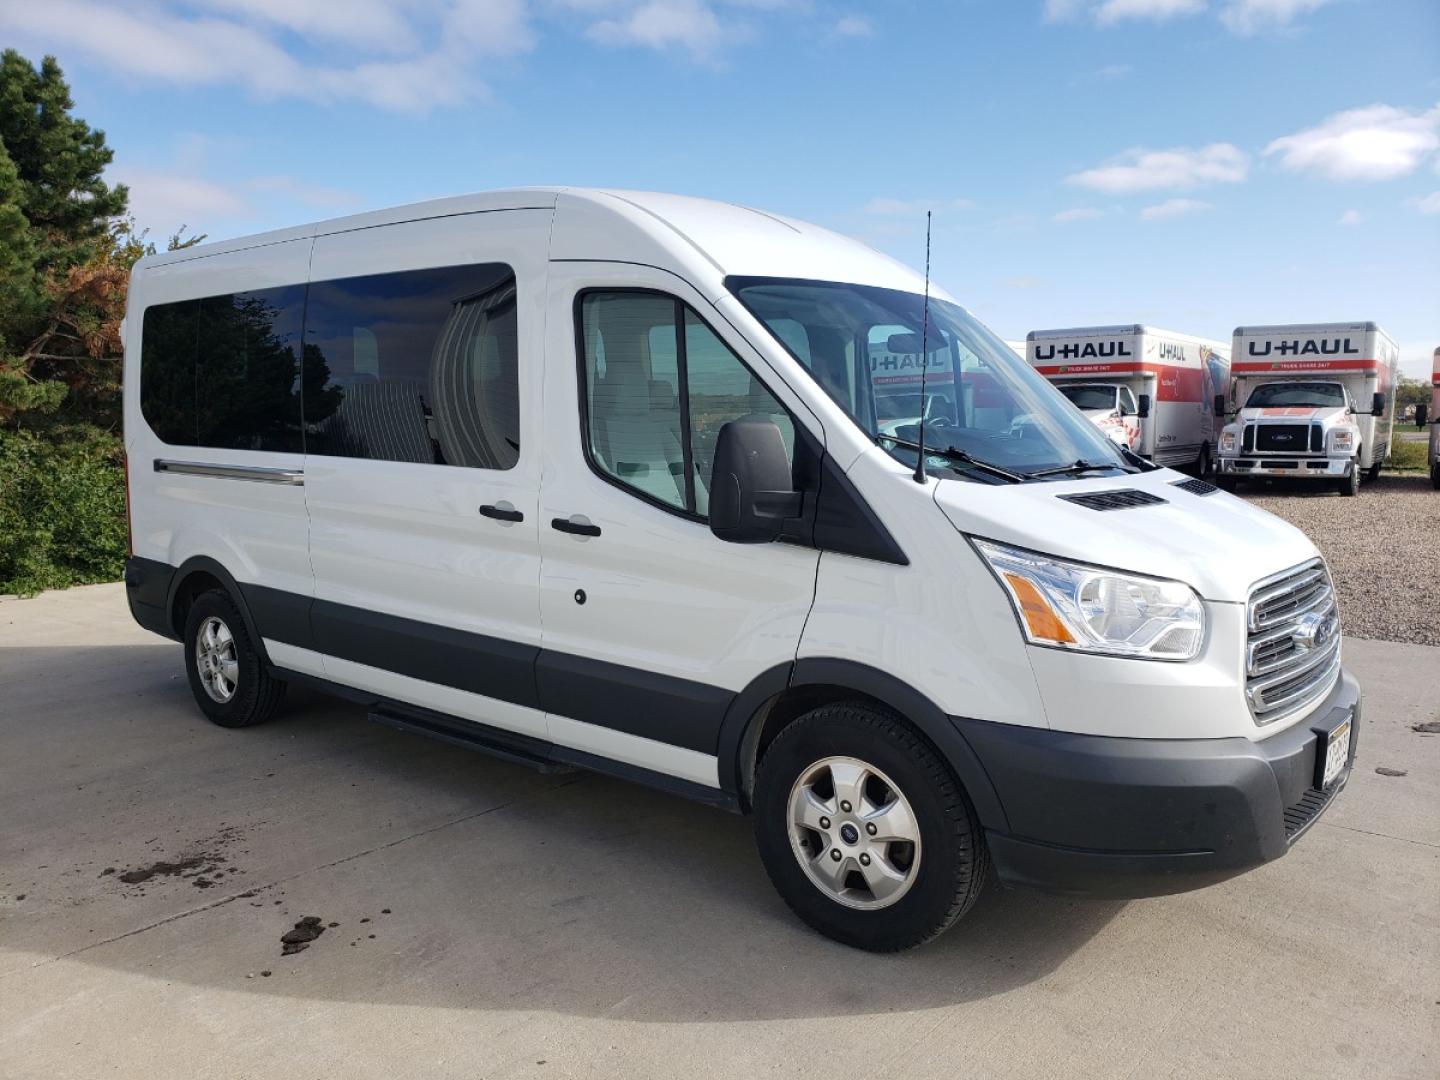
(1101, 816)
(1299, 467)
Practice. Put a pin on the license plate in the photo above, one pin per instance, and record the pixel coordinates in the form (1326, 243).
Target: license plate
(1337, 749)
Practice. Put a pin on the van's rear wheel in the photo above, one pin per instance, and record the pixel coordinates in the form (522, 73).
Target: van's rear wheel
(864, 831)
(227, 675)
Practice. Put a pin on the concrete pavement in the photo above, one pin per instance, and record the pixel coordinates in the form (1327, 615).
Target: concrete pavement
(549, 926)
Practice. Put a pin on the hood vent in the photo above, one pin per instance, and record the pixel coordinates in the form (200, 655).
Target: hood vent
(1120, 499)
(1195, 486)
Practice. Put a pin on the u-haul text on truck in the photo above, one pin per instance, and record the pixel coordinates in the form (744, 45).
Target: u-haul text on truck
(1316, 401)
(1150, 390)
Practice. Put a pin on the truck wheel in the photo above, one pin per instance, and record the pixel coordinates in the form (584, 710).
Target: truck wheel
(1435, 476)
(864, 830)
(1202, 463)
(1226, 482)
(227, 675)
(1373, 473)
(1350, 485)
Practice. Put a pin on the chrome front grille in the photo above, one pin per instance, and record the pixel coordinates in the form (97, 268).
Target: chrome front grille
(1292, 655)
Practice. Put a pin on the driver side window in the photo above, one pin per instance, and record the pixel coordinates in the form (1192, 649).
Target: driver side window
(659, 385)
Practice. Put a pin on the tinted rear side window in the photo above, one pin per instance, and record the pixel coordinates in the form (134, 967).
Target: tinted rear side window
(221, 371)
(420, 366)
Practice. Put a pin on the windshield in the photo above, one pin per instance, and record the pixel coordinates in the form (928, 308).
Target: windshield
(1310, 395)
(1090, 397)
(863, 346)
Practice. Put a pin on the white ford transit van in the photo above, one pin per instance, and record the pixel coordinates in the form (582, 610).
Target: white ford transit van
(614, 480)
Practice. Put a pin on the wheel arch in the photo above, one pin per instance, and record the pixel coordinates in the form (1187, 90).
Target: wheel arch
(784, 693)
(197, 575)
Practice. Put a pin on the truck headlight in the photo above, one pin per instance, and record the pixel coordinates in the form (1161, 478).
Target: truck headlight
(1069, 605)
(1343, 440)
(1229, 441)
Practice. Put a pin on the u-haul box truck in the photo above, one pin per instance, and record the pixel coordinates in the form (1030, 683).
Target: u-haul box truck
(1435, 423)
(1316, 401)
(1150, 390)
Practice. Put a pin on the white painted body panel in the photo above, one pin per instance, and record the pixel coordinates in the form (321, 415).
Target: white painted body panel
(662, 592)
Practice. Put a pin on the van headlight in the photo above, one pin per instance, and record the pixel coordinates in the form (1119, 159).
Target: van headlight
(1069, 605)
(1344, 439)
(1229, 440)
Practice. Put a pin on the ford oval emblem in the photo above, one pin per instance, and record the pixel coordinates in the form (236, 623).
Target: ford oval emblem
(1315, 631)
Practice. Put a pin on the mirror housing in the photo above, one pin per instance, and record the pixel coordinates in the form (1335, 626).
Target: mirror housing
(1220, 409)
(1377, 405)
(751, 491)
(1142, 402)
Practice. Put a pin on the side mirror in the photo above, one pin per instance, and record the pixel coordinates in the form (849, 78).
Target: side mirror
(1220, 409)
(751, 492)
(1377, 405)
(1143, 403)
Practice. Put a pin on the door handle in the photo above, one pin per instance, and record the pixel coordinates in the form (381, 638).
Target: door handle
(501, 511)
(575, 525)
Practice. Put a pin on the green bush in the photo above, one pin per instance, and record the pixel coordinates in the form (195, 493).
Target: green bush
(1408, 454)
(62, 512)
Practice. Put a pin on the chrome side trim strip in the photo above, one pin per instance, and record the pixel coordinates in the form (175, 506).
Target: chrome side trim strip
(259, 473)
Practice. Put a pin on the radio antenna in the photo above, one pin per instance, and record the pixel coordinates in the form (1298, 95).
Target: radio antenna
(924, 360)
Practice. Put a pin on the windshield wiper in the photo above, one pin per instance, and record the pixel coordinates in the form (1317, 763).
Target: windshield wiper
(1081, 466)
(954, 453)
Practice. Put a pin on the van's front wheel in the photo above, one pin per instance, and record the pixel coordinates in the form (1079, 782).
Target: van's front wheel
(227, 675)
(864, 830)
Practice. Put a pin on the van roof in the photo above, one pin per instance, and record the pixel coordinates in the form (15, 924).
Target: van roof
(731, 239)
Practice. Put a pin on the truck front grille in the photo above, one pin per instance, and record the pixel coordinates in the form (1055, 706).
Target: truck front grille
(1282, 438)
(1292, 655)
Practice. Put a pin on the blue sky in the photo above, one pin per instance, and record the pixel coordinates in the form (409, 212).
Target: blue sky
(1189, 163)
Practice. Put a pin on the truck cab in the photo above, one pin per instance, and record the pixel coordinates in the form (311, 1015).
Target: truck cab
(1315, 402)
(1112, 407)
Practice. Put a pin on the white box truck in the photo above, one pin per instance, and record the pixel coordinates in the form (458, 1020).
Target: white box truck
(1316, 401)
(1435, 422)
(1152, 391)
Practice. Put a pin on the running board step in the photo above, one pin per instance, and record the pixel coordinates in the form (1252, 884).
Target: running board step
(531, 753)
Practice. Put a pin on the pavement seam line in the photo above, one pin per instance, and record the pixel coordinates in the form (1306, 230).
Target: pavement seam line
(1382, 835)
(289, 877)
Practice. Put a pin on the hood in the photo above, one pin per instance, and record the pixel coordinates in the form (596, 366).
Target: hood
(1217, 544)
(1293, 415)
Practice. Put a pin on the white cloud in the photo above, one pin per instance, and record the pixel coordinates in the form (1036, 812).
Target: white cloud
(1114, 71)
(663, 24)
(1252, 16)
(1378, 142)
(1181, 168)
(1024, 281)
(1173, 208)
(1350, 217)
(1238, 16)
(884, 206)
(430, 65)
(1079, 213)
(853, 26)
(1428, 205)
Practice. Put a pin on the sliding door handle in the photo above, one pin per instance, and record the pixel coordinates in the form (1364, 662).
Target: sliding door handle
(575, 525)
(501, 511)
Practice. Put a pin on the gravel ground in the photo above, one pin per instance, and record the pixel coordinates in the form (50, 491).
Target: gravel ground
(1383, 548)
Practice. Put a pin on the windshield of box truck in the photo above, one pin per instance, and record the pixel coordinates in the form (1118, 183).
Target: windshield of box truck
(863, 345)
(1090, 398)
(1304, 395)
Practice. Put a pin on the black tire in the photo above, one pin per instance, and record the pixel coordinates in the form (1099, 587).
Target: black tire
(1350, 483)
(1202, 463)
(1435, 476)
(1227, 482)
(952, 862)
(1373, 473)
(256, 693)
